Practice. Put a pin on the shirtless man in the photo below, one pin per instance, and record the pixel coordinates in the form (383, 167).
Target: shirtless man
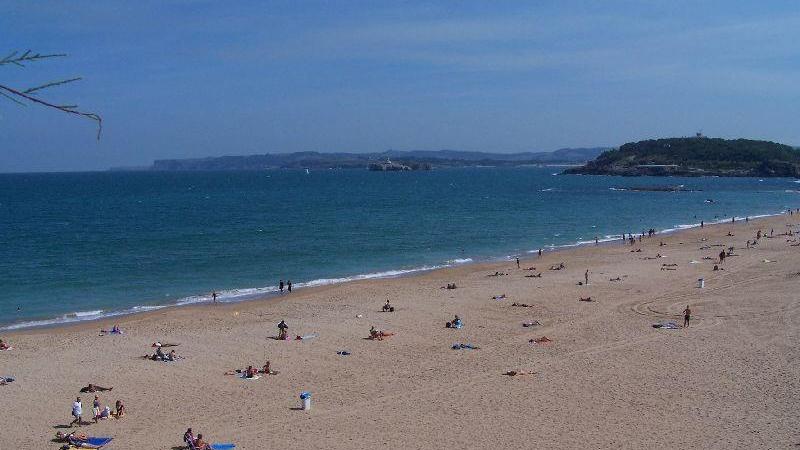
(687, 314)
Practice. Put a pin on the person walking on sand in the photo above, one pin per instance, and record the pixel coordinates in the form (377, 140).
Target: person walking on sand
(77, 411)
(280, 286)
(687, 314)
(517, 263)
(289, 285)
(586, 277)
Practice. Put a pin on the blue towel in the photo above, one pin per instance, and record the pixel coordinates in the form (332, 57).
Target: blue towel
(99, 441)
(227, 446)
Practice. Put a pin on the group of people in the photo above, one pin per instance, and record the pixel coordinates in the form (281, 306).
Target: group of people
(98, 412)
(159, 354)
(252, 372)
(195, 442)
(288, 285)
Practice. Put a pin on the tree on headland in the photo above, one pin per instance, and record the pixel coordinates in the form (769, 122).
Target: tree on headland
(25, 96)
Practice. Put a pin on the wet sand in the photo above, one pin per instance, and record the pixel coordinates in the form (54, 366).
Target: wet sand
(608, 379)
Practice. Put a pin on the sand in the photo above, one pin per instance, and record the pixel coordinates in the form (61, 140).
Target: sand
(607, 379)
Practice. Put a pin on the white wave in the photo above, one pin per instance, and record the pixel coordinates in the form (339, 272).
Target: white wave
(616, 189)
(460, 261)
(547, 190)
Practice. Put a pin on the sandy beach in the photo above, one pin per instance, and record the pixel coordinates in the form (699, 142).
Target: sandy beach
(608, 379)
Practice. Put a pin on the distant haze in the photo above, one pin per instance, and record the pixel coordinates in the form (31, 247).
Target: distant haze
(202, 78)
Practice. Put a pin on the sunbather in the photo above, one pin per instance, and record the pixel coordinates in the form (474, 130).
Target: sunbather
(94, 388)
(587, 299)
(522, 305)
(388, 307)
(541, 340)
(4, 345)
(377, 335)
(200, 443)
(514, 373)
(120, 409)
(455, 323)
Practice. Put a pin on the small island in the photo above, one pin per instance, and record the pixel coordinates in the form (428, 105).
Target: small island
(696, 156)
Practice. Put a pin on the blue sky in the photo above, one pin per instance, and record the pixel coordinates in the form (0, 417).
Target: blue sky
(204, 78)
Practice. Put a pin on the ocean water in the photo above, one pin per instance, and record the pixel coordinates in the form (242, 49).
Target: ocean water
(80, 246)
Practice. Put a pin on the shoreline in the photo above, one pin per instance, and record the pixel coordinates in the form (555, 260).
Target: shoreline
(309, 288)
(604, 378)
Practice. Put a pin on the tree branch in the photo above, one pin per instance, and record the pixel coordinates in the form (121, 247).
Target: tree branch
(51, 84)
(17, 60)
(62, 108)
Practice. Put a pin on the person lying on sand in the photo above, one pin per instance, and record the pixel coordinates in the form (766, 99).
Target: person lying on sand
(376, 335)
(530, 268)
(558, 266)
(114, 330)
(498, 297)
(522, 305)
(638, 250)
(75, 435)
(450, 286)
(164, 344)
(615, 279)
(587, 299)
(514, 373)
(497, 274)
(541, 340)
(387, 307)
(4, 345)
(535, 275)
(94, 388)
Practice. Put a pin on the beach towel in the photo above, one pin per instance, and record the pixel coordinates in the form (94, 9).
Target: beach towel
(244, 377)
(306, 337)
(530, 324)
(226, 446)
(666, 325)
(343, 353)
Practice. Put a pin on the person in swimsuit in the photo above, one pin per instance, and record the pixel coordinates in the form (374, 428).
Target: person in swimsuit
(94, 388)
(687, 314)
(120, 407)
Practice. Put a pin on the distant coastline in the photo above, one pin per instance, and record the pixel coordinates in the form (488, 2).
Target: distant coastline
(411, 160)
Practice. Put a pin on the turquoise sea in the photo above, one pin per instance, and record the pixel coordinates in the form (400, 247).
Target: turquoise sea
(80, 246)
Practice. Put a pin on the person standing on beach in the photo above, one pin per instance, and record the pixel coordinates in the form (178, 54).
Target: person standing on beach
(282, 327)
(540, 252)
(687, 314)
(214, 296)
(280, 286)
(517, 263)
(596, 241)
(289, 285)
(77, 411)
(701, 224)
(586, 277)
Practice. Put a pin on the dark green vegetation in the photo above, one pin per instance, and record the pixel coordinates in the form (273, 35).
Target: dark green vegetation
(697, 156)
(415, 160)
